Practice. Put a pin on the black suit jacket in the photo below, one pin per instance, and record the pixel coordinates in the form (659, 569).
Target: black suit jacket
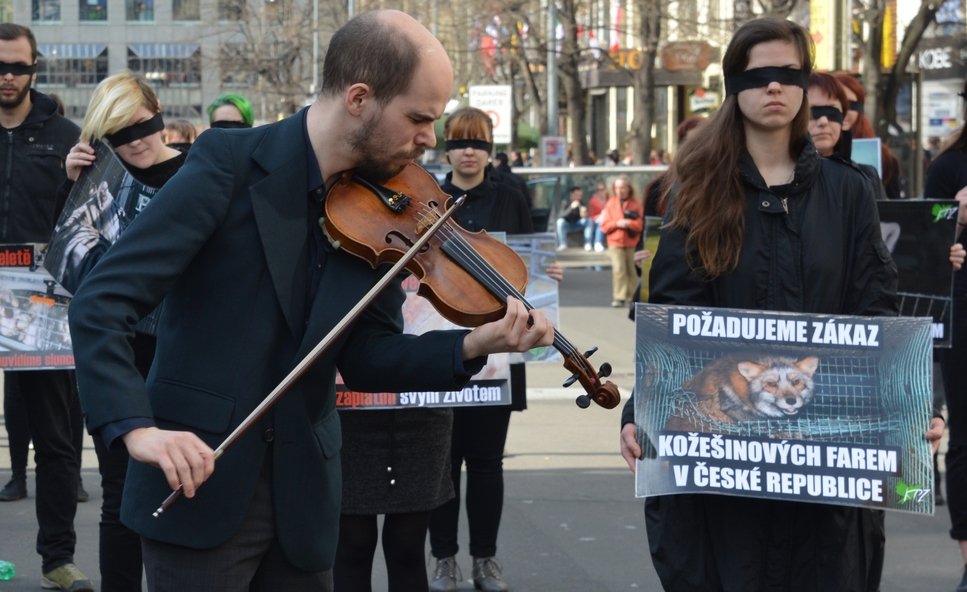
(225, 244)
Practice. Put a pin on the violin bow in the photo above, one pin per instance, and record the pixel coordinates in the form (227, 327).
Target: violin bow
(296, 373)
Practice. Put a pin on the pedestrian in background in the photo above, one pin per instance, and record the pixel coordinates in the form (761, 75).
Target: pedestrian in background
(124, 111)
(593, 237)
(573, 218)
(622, 222)
(38, 141)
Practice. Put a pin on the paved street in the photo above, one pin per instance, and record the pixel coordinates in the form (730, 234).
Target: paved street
(570, 523)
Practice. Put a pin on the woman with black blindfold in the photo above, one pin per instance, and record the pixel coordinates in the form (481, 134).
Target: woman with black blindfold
(124, 111)
(829, 105)
(757, 220)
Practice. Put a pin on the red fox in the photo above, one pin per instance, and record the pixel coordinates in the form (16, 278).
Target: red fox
(734, 388)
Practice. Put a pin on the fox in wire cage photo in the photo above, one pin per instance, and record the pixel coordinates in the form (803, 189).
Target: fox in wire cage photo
(821, 394)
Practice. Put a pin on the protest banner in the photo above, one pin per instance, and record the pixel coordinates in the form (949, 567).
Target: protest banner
(918, 233)
(490, 386)
(103, 201)
(33, 312)
(804, 407)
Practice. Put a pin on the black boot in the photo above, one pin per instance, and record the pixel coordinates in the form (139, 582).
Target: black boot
(15, 489)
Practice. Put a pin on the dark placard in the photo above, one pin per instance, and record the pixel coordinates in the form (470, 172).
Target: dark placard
(919, 233)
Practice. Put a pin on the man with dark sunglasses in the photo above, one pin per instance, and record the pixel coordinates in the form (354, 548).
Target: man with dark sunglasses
(34, 143)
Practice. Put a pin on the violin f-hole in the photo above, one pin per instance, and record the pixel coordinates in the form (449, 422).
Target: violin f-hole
(397, 235)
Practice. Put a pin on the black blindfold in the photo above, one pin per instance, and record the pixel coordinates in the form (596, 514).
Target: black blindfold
(856, 106)
(464, 144)
(136, 132)
(832, 114)
(17, 69)
(760, 77)
(229, 124)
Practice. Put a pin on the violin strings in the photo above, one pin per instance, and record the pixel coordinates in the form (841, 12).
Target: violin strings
(475, 263)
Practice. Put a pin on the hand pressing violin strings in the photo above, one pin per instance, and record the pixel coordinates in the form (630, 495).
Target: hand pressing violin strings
(519, 330)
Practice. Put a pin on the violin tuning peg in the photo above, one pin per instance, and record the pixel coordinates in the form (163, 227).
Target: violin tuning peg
(571, 380)
(590, 352)
(605, 370)
(583, 401)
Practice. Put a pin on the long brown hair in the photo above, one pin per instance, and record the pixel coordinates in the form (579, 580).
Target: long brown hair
(710, 201)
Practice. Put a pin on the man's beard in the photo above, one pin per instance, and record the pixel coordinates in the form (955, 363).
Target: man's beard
(374, 164)
(17, 100)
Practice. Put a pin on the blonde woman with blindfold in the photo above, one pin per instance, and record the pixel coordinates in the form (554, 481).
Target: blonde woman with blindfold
(124, 112)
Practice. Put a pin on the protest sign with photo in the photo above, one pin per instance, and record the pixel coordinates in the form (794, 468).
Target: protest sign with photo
(101, 204)
(33, 312)
(803, 407)
(918, 233)
(490, 386)
(103, 201)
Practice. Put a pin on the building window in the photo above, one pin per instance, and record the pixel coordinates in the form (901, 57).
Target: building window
(71, 64)
(231, 10)
(45, 10)
(186, 10)
(166, 64)
(93, 10)
(139, 10)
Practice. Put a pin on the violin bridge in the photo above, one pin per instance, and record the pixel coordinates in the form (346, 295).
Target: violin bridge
(426, 220)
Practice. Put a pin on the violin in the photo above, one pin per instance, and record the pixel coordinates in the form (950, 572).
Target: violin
(467, 276)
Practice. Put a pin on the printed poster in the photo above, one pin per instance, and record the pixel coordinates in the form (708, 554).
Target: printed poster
(33, 312)
(918, 233)
(100, 206)
(810, 408)
(491, 386)
(103, 201)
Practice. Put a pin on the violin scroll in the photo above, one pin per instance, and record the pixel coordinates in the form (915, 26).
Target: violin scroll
(604, 393)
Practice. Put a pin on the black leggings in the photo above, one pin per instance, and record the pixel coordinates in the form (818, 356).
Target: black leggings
(404, 538)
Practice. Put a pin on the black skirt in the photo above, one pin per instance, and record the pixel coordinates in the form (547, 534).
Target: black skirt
(396, 461)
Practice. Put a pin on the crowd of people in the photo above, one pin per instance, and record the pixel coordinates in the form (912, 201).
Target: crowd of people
(233, 263)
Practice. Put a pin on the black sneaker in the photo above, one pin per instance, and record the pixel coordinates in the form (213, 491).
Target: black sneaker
(446, 575)
(487, 576)
(15, 489)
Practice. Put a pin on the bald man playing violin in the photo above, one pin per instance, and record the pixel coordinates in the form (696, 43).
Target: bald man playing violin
(250, 285)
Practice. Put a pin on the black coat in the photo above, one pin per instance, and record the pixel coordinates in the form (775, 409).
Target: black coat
(33, 156)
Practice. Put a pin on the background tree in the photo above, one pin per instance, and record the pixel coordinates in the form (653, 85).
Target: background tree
(269, 44)
(649, 38)
(882, 86)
